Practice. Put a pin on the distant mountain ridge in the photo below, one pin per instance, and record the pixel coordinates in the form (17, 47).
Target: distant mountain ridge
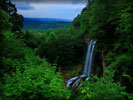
(42, 24)
(43, 20)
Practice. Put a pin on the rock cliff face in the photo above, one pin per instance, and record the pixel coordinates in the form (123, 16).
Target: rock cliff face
(99, 64)
(87, 40)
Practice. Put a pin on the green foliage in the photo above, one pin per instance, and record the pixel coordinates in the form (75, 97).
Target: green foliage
(126, 21)
(35, 82)
(111, 23)
(46, 26)
(62, 47)
(13, 48)
(4, 18)
(24, 75)
(76, 22)
(32, 38)
(4, 21)
(102, 89)
(15, 19)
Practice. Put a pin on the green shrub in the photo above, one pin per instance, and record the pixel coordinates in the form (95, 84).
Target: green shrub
(32, 38)
(122, 65)
(103, 88)
(34, 82)
(25, 76)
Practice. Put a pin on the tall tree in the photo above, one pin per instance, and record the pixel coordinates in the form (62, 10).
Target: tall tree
(15, 18)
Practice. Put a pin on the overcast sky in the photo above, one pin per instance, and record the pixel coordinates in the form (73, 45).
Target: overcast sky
(65, 9)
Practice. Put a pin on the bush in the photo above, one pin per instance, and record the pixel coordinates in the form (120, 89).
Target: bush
(39, 82)
(24, 76)
(102, 89)
(32, 38)
(123, 70)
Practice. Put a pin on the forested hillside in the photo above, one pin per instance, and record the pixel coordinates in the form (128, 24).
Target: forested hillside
(35, 65)
(47, 26)
(111, 24)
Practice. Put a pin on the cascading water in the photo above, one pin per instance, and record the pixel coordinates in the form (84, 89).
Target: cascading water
(91, 57)
(87, 68)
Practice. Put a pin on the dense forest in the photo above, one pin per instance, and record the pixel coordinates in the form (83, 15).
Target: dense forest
(46, 26)
(35, 65)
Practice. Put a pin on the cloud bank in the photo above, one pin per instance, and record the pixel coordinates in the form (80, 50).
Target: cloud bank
(65, 9)
(52, 1)
(24, 6)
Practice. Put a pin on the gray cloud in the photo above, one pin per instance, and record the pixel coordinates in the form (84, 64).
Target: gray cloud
(50, 8)
(52, 1)
(24, 6)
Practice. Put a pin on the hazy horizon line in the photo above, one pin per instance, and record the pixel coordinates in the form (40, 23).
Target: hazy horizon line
(50, 18)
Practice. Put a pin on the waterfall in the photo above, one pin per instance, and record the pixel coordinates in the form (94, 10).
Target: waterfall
(87, 58)
(87, 67)
(91, 57)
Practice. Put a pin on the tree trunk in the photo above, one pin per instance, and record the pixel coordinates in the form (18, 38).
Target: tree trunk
(103, 63)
